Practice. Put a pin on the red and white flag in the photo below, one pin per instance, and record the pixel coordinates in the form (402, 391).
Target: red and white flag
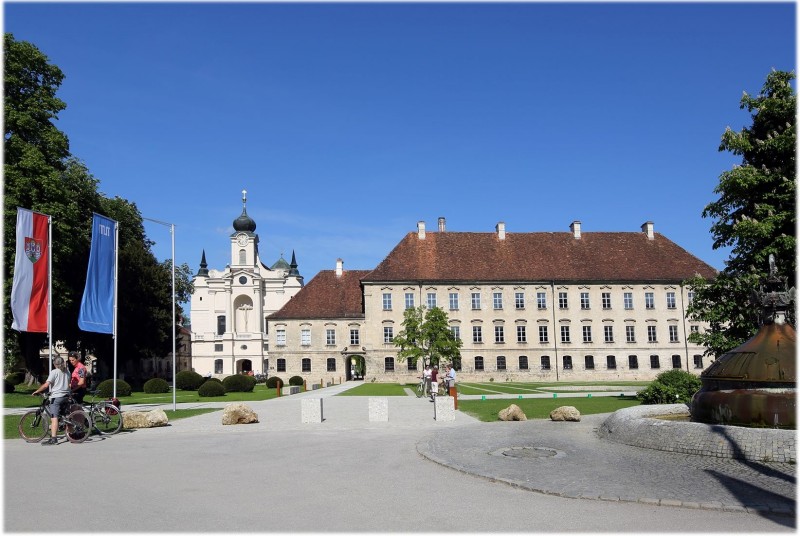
(29, 293)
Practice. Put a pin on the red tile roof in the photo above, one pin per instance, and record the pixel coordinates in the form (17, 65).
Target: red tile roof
(326, 296)
(596, 256)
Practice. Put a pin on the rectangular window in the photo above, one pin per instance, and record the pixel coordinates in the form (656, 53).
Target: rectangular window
(388, 334)
(698, 361)
(627, 299)
(218, 366)
(565, 334)
(456, 332)
(523, 362)
(388, 364)
(633, 362)
(608, 333)
(409, 300)
(606, 300)
(543, 334)
(431, 300)
(649, 301)
(630, 334)
(305, 365)
(588, 362)
(476, 300)
(670, 300)
(694, 329)
(673, 333)
(499, 334)
(331, 364)
(280, 365)
(305, 337)
(387, 301)
(676, 361)
(689, 297)
(541, 300)
(519, 300)
(654, 363)
(522, 336)
(454, 301)
(221, 325)
(497, 300)
(545, 362)
(280, 337)
(584, 300)
(651, 334)
(477, 334)
(562, 300)
(478, 363)
(354, 337)
(567, 362)
(611, 362)
(218, 348)
(587, 333)
(330, 337)
(412, 365)
(501, 362)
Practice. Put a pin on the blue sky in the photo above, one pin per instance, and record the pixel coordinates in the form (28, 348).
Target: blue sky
(348, 123)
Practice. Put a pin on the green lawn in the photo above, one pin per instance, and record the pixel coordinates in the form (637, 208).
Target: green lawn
(540, 408)
(378, 389)
(519, 388)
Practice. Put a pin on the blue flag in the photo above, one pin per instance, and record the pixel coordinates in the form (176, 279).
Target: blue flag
(97, 305)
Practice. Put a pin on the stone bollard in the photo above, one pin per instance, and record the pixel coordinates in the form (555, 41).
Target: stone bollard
(311, 410)
(444, 409)
(379, 409)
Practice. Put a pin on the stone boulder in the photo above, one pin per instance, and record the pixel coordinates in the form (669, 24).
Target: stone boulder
(144, 419)
(512, 413)
(565, 413)
(238, 414)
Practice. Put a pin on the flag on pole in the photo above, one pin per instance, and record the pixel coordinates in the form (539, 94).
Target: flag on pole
(97, 305)
(30, 287)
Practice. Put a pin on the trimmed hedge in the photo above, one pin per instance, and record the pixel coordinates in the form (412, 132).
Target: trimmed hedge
(188, 380)
(106, 388)
(239, 383)
(273, 382)
(211, 388)
(156, 385)
(15, 378)
(296, 380)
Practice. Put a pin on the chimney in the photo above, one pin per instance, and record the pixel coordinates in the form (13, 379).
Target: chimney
(339, 265)
(421, 230)
(501, 230)
(647, 227)
(441, 225)
(575, 227)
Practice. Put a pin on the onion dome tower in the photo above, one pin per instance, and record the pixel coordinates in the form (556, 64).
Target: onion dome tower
(755, 384)
(244, 223)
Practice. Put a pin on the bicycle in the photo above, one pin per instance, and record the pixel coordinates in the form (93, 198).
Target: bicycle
(35, 424)
(104, 415)
(421, 388)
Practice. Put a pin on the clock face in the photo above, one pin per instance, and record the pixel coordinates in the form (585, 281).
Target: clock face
(242, 239)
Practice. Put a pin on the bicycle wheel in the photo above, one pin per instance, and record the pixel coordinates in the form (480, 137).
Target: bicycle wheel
(106, 418)
(33, 426)
(78, 426)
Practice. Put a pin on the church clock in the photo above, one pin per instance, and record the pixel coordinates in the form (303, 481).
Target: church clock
(242, 239)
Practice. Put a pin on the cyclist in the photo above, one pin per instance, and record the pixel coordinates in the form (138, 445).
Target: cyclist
(58, 382)
(77, 382)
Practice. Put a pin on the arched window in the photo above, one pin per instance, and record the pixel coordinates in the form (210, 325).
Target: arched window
(388, 364)
(478, 363)
(218, 366)
(242, 256)
(331, 364)
(220, 324)
(306, 364)
(567, 362)
(280, 365)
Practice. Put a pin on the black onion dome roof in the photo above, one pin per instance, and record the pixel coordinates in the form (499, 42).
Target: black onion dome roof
(244, 222)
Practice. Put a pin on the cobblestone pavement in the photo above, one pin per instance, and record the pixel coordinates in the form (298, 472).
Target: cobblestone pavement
(568, 459)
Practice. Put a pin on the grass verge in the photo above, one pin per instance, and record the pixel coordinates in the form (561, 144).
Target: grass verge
(540, 408)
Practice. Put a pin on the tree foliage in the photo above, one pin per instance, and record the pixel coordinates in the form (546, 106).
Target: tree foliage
(40, 174)
(755, 216)
(426, 335)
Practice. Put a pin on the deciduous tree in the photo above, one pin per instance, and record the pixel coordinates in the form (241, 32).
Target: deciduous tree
(426, 335)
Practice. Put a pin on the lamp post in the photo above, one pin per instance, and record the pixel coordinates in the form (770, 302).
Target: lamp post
(174, 349)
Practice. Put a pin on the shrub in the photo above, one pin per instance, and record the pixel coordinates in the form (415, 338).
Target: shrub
(674, 386)
(239, 383)
(211, 388)
(106, 388)
(273, 382)
(212, 380)
(15, 378)
(8, 387)
(296, 380)
(156, 385)
(188, 380)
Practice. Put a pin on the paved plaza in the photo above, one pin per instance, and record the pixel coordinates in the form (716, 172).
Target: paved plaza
(410, 474)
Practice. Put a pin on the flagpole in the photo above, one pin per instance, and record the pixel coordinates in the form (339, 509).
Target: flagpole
(50, 290)
(116, 280)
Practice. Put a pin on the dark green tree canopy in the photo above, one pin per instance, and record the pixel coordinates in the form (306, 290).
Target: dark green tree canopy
(426, 335)
(755, 215)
